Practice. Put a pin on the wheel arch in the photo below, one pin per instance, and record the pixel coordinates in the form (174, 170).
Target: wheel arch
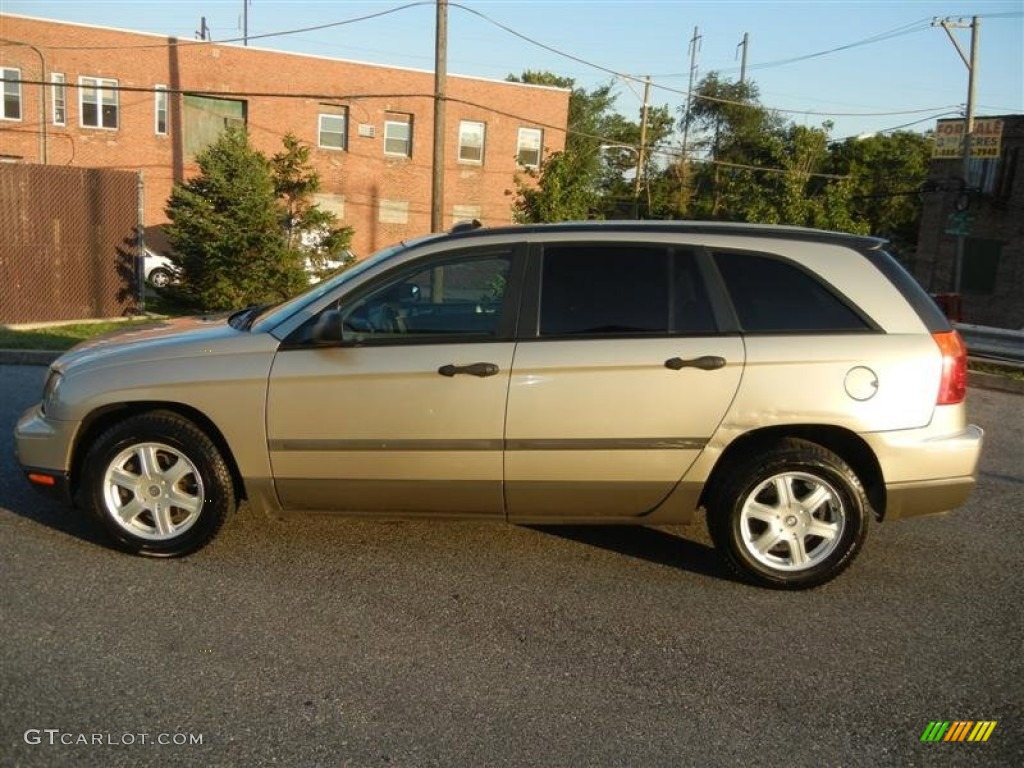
(99, 420)
(846, 444)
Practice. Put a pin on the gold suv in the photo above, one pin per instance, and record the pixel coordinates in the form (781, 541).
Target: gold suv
(791, 384)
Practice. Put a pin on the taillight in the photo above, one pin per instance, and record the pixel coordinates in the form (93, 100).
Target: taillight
(953, 386)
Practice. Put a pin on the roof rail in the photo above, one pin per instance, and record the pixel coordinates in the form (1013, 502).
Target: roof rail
(465, 226)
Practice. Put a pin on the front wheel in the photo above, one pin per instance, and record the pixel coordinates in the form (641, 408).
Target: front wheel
(160, 278)
(158, 484)
(791, 518)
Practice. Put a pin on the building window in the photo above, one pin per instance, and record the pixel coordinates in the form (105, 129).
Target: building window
(11, 109)
(528, 148)
(160, 106)
(97, 102)
(60, 99)
(471, 142)
(398, 134)
(332, 131)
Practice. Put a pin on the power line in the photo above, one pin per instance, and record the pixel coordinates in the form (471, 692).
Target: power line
(186, 41)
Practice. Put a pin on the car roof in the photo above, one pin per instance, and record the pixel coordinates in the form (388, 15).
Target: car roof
(860, 242)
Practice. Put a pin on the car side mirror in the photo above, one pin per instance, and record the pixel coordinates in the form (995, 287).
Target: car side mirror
(327, 330)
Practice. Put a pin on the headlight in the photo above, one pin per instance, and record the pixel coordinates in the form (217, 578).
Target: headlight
(51, 390)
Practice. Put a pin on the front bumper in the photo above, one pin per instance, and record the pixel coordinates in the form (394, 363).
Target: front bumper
(43, 449)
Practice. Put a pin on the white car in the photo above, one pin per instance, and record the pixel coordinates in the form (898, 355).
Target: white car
(159, 271)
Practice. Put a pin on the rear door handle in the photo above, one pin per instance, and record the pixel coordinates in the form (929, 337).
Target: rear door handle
(705, 363)
(475, 369)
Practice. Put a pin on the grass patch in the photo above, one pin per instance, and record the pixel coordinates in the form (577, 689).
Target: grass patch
(61, 337)
(1007, 371)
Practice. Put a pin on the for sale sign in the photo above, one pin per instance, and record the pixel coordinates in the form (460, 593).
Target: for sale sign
(985, 138)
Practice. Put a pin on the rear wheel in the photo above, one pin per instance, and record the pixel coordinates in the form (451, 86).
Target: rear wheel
(791, 518)
(158, 484)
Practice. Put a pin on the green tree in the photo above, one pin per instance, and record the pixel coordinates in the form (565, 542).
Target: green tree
(885, 171)
(306, 226)
(235, 228)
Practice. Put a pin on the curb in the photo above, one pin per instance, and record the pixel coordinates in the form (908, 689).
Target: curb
(978, 379)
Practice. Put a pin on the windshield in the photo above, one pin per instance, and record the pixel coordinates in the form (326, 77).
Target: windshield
(270, 316)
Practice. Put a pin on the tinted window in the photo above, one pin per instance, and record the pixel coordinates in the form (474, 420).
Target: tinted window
(691, 311)
(461, 297)
(770, 295)
(592, 289)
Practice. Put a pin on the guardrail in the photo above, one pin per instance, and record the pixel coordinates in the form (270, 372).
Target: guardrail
(996, 343)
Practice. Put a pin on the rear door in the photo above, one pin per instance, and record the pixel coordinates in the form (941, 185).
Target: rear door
(620, 377)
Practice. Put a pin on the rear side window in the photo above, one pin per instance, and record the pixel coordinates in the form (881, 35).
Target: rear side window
(774, 296)
(595, 290)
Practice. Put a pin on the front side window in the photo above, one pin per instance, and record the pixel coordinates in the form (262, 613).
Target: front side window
(398, 134)
(528, 148)
(333, 128)
(60, 99)
(611, 290)
(12, 94)
(770, 295)
(160, 110)
(471, 142)
(98, 105)
(459, 299)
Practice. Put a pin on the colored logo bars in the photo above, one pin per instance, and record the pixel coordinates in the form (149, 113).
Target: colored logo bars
(959, 730)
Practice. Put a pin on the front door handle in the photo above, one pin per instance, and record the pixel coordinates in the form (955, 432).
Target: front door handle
(705, 363)
(476, 369)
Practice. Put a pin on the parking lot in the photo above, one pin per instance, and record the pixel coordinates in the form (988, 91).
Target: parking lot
(327, 641)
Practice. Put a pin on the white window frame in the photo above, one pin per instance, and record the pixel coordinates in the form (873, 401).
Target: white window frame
(468, 128)
(8, 74)
(320, 130)
(521, 146)
(103, 86)
(59, 97)
(407, 125)
(160, 103)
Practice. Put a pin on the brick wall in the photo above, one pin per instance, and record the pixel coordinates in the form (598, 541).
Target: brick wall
(355, 180)
(996, 225)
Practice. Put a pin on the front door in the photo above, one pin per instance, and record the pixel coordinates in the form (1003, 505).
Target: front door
(407, 415)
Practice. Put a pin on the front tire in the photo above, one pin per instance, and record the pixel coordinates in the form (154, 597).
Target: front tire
(159, 278)
(158, 485)
(792, 517)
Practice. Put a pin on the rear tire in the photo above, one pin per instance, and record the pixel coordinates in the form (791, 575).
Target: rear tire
(791, 517)
(158, 485)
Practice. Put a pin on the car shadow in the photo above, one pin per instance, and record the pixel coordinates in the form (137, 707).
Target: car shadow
(652, 545)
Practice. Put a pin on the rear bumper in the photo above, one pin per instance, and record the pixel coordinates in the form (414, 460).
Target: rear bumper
(927, 470)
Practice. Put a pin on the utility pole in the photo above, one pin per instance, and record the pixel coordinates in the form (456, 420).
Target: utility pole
(440, 81)
(245, 22)
(204, 31)
(694, 47)
(640, 151)
(743, 59)
(971, 62)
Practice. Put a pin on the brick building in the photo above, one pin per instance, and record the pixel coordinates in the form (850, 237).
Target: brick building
(105, 98)
(988, 212)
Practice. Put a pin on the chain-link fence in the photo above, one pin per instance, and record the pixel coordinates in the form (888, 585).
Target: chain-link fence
(68, 242)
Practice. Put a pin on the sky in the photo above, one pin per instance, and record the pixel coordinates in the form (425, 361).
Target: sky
(865, 65)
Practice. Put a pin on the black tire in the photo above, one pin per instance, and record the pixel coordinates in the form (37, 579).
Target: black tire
(159, 278)
(766, 512)
(158, 485)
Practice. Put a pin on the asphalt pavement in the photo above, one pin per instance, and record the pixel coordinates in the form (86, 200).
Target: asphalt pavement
(325, 641)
